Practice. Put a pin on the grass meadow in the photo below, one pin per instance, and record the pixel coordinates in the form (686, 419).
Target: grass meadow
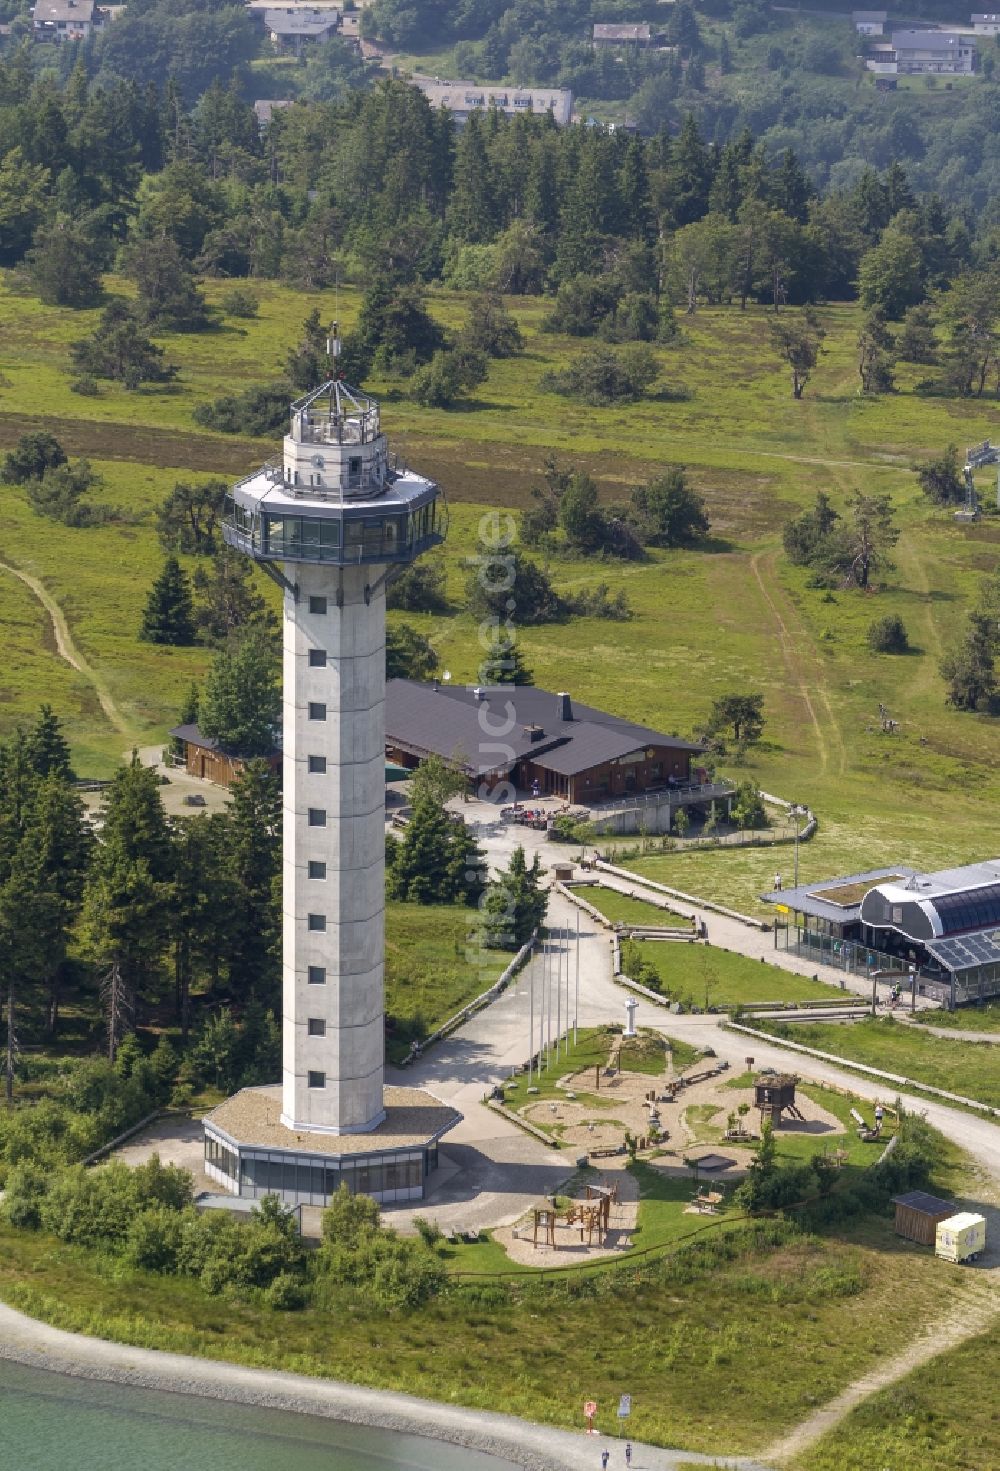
(960, 1066)
(936, 1419)
(732, 615)
(682, 1333)
(704, 976)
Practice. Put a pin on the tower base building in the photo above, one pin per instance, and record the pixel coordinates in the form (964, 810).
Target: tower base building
(331, 525)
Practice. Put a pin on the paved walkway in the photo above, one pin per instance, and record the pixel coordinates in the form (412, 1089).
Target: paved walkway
(534, 1447)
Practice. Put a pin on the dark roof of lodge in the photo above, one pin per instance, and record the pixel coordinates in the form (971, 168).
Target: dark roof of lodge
(192, 736)
(490, 729)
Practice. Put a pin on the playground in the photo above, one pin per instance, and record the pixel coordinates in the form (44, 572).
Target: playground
(695, 1125)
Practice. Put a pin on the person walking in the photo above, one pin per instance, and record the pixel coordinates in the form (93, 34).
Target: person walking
(628, 1453)
(605, 1458)
(777, 883)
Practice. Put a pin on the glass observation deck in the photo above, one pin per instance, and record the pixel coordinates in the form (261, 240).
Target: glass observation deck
(397, 527)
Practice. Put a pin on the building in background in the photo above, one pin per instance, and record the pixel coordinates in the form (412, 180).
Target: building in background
(462, 99)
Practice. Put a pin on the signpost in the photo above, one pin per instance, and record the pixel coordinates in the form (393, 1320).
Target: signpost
(590, 1410)
(624, 1410)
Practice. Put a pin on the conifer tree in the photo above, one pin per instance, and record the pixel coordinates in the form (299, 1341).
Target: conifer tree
(169, 613)
(438, 860)
(503, 663)
(515, 904)
(48, 750)
(253, 845)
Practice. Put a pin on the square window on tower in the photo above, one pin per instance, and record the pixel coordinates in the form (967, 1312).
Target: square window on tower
(317, 658)
(317, 764)
(317, 605)
(317, 870)
(317, 1080)
(317, 817)
(317, 712)
(317, 975)
(317, 921)
(316, 1026)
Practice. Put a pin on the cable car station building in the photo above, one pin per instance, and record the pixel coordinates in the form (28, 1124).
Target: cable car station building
(944, 927)
(330, 525)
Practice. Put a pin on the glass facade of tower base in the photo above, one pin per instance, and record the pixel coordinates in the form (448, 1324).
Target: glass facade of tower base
(249, 1152)
(304, 1179)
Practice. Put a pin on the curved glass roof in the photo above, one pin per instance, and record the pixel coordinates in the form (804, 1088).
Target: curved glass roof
(969, 909)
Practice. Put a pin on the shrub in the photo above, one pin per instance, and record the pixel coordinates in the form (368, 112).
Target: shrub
(86, 386)
(286, 1293)
(598, 602)
(31, 457)
(605, 375)
(258, 411)
(888, 635)
(240, 303)
(154, 1239)
(447, 376)
(429, 1231)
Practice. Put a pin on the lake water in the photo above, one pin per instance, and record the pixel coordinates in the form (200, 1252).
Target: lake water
(50, 1422)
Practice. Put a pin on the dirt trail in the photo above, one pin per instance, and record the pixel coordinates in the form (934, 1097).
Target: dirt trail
(973, 1315)
(793, 663)
(68, 650)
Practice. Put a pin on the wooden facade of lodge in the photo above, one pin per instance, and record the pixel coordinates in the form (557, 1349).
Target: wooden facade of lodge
(536, 740)
(207, 759)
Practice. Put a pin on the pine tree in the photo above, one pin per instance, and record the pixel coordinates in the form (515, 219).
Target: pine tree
(207, 906)
(48, 749)
(438, 860)
(472, 213)
(126, 898)
(504, 663)
(253, 845)
(308, 362)
(515, 904)
(169, 614)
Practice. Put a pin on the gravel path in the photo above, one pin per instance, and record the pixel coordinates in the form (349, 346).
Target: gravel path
(67, 649)
(533, 1447)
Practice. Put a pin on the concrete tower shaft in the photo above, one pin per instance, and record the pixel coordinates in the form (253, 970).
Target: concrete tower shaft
(334, 852)
(339, 519)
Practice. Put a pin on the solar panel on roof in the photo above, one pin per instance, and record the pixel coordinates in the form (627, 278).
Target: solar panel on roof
(966, 952)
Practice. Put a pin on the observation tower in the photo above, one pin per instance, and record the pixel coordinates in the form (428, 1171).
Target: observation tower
(332, 524)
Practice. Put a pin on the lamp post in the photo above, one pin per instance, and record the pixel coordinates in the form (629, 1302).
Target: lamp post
(797, 812)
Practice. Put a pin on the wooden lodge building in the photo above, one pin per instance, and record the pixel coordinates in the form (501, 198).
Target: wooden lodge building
(206, 758)
(529, 736)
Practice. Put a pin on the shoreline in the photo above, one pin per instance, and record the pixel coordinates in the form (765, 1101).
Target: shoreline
(533, 1447)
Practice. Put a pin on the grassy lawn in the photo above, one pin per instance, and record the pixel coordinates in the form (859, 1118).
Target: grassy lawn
(969, 1068)
(702, 975)
(431, 971)
(680, 1333)
(622, 907)
(756, 456)
(936, 1419)
(963, 1018)
(645, 1054)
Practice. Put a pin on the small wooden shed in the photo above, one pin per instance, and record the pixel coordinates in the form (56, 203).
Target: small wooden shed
(773, 1093)
(918, 1214)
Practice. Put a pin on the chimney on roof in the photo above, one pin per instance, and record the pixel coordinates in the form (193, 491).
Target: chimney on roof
(564, 706)
(534, 733)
